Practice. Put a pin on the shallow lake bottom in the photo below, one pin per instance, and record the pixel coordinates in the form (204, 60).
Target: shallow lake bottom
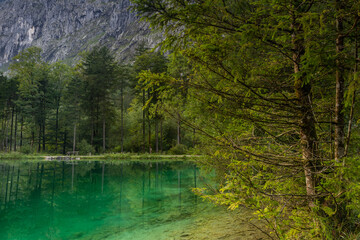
(96, 200)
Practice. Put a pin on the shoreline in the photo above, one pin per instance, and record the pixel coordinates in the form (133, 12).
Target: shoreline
(101, 157)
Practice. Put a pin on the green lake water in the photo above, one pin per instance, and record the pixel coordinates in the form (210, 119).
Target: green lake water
(98, 200)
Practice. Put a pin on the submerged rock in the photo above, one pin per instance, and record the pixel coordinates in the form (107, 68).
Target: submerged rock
(184, 235)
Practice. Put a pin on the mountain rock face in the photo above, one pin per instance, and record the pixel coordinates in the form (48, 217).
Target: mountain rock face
(64, 28)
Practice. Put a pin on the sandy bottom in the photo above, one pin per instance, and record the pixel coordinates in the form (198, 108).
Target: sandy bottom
(217, 224)
(225, 225)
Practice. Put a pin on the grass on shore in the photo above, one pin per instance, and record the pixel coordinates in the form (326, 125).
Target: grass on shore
(18, 155)
(106, 156)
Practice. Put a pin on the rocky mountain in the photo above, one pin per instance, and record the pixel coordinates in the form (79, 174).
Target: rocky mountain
(64, 28)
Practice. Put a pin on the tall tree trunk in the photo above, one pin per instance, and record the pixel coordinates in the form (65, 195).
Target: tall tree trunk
(57, 125)
(39, 138)
(143, 122)
(350, 123)
(156, 133)
(122, 116)
(32, 139)
(74, 138)
(64, 142)
(339, 98)
(3, 134)
(43, 135)
(15, 130)
(149, 133)
(348, 135)
(98, 123)
(11, 128)
(161, 135)
(92, 133)
(308, 136)
(149, 126)
(178, 139)
(6, 138)
(21, 131)
(104, 135)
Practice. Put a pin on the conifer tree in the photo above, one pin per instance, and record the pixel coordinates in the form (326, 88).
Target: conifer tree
(99, 81)
(263, 90)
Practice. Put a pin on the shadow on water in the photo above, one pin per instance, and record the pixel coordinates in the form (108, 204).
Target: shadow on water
(96, 200)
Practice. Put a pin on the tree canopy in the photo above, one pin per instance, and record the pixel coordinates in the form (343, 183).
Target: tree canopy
(268, 90)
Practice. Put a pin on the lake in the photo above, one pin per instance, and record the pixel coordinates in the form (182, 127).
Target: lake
(99, 200)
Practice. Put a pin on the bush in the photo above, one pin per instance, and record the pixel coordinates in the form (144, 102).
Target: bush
(85, 148)
(26, 149)
(178, 149)
(117, 149)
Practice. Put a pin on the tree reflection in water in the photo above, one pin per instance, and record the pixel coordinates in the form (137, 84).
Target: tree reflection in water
(58, 200)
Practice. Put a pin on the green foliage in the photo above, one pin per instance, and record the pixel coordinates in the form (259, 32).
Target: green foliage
(53, 107)
(27, 150)
(32, 75)
(19, 155)
(85, 148)
(261, 94)
(178, 149)
(98, 75)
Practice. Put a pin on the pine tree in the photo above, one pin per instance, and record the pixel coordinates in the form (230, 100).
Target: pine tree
(262, 94)
(99, 81)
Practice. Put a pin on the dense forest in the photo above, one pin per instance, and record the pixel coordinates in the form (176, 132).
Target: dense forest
(267, 89)
(97, 106)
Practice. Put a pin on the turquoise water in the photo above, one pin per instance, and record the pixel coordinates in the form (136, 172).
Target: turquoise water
(96, 200)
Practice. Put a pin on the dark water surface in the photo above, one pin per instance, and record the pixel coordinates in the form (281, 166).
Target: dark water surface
(98, 200)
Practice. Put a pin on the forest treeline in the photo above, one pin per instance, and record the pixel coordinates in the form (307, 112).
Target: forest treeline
(97, 106)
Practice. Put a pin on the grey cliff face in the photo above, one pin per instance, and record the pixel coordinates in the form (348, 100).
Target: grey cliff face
(63, 28)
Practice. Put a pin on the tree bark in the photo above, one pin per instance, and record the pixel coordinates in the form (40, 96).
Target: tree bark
(340, 83)
(149, 126)
(149, 133)
(6, 138)
(122, 116)
(21, 131)
(43, 135)
(349, 124)
(11, 128)
(143, 122)
(64, 142)
(15, 130)
(156, 134)
(39, 138)
(308, 136)
(104, 135)
(32, 144)
(92, 133)
(161, 135)
(74, 138)
(3, 134)
(352, 100)
(57, 125)
(178, 139)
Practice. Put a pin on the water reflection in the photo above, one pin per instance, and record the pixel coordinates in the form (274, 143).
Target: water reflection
(77, 200)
